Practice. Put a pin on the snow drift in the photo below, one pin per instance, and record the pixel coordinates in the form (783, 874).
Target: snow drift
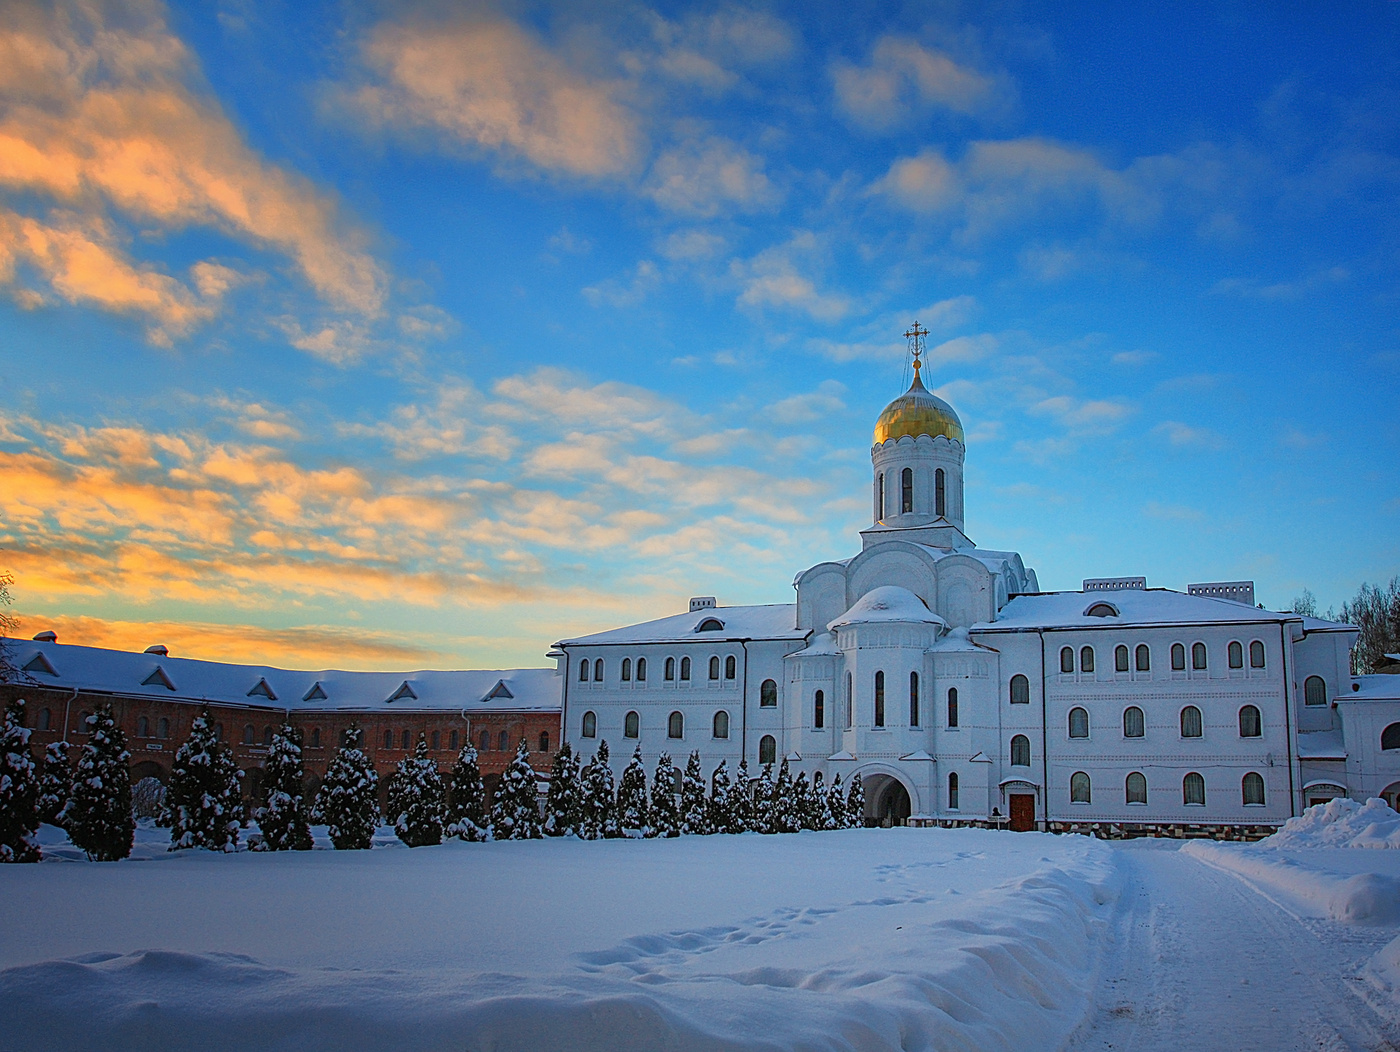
(1341, 823)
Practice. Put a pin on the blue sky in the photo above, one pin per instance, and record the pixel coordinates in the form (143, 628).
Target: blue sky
(422, 335)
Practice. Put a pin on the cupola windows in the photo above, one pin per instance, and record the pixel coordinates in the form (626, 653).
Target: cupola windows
(940, 493)
(906, 491)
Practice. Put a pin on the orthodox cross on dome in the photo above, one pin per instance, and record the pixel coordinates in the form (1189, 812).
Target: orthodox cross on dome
(915, 336)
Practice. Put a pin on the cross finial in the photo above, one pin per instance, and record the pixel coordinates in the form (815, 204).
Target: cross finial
(915, 335)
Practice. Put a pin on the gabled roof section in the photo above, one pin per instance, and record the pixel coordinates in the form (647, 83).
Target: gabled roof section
(40, 663)
(316, 693)
(158, 678)
(500, 690)
(261, 689)
(405, 691)
(740, 622)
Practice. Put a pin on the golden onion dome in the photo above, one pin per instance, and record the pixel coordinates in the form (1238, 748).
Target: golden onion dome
(918, 412)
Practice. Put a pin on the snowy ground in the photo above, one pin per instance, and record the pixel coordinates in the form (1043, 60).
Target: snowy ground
(861, 939)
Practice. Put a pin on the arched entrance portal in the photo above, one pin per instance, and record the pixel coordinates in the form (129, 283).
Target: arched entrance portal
(1391, 795)
(886, 800)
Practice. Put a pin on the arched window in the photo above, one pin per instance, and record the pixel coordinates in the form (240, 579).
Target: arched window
(219, 733)
(641, 670)
(83, 718)
(710, 624)
(1020, 690)
(714, 667)
(952, 706)
(768, 695)
(1251, 726)
(598, 671)
(1190, 722)
(163, 728)
(721, 724)
(1314, 691)
(880, 497)
(1066, 659)
(953, 791)
(249, 734)
(267, 737)
(544, 741)
(388, 739)
(590, 725)
(1120, 658)
(502, 742)
(315, 737)
(1252, 788)
(1390, 737)
(407, 741)
(730, 667)
(1086, 659)
(1198, 656)
(486, 741)
(767, 749)
(1256, 654)
(669, 672)
(1020, 751)
(627, 670)
(819, 710)
(906, 490)
(1134, 726)
(436, 741)
(45, 719)
(583, 668)
(685, 669)
(631, 725)
(675, 725)
(879, 699)
(1193, 789)
(850, 700)
(1135, 788)
(913, 699)
(1079, 790)
(1234, 654)
(1078, 722)
(143, 727)
(1178, 658)
(1142, 658)
(940, 493)
(454, 741)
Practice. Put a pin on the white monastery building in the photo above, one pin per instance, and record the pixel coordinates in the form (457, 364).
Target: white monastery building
(962, 694)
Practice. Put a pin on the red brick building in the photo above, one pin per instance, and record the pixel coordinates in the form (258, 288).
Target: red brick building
(155, 697)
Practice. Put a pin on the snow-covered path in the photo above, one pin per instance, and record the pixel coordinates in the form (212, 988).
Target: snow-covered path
(1197, 959)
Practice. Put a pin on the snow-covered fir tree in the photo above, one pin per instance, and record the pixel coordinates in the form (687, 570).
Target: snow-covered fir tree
(786, 818)
(564, 807)
(719, 817)
(599, 798)
(348, 802)
(100, 821)
(416, 803)
(820, 809)
(855, 804)
(740, 801)
(803, 802)
(836, 804)
(19, 789)
(283, 818)
(466, 802)
(55, 784)
(695, 808)
(665, 815)
(203, 798)
(763, 801)
(633, 810)
(515, 811)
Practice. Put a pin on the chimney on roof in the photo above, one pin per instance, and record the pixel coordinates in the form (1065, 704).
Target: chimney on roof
(46, 636)
(1235, 591)
(702, 602)
(160, 649)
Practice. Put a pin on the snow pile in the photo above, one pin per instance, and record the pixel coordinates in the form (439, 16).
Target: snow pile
(867, 939)
(1341, 823)
(887, 603)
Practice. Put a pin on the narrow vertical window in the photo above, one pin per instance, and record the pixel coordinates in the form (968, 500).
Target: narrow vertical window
(730, 667)
(721, 724)
(437, 741)
(675, 726)
(45, 718)
(583, 669)
(1020, 690)
(406, 741)
(1234, 654)
(940, 493)
(1190, 722)
(590, 727)
(1142, 658)
(1067, 659)
(1198, 656)
(631, 725)
(1178, 658)
(641, 670)
(670, 669)
(163, 728)
(1079, 788)
(1020, 751)
(454, 741)
(714, 667)
(1120, 658)
(850, 700)
(953, 791)
(768, 694)
(502, 741)
(913, 699)
(1251, 726)
(1086, 659)
(1314, 691)
(486, 738)
(1193, 789)
(388, 739)
(1135, 788)
(952, 706)
(819, 710)
(544, 741)
(248, 732)
(880, 497)
(767, 749)
(143, 726)
(598, 671)
(627, 670)
(879, 699)
(685, 669)
(906, 490)
(1256, 654)
(1078, 722)
(1134, 726)
(1252, 788)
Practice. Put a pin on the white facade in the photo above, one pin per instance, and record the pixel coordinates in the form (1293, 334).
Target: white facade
(962, 694)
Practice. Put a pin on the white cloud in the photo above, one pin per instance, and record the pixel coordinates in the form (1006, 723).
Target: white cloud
(704, 177)
(627, 293)
(781, 277)
(903, 79)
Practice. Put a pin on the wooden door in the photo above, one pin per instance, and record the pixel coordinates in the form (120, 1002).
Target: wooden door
(1022, 812)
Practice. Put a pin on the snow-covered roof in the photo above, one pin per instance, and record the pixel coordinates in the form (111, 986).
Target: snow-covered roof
(1145, 606)
(66, 666)
(1377, 686)
(889, 602)
(778, 621)
(1321, 745)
